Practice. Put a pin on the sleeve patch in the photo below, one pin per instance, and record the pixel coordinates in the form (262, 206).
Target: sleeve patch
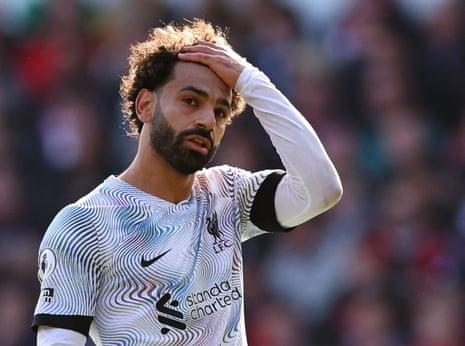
(47, 263)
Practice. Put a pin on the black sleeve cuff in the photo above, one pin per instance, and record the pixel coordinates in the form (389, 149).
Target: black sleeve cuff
(263, 212)
(79, 324)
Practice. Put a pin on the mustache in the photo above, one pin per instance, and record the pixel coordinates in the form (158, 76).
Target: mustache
(199, 132)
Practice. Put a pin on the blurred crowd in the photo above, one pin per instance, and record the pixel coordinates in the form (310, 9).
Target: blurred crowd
(381, 81)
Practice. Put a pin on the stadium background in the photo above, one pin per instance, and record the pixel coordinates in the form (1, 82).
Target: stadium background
(382, 82)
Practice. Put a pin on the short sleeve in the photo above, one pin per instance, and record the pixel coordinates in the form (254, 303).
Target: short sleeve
(68, 271)
(248, 185)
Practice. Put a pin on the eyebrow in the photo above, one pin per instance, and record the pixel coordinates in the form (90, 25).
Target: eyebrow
(204, 94)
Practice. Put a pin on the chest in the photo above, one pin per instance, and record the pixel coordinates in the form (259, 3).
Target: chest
(171, 271)
(190, 247)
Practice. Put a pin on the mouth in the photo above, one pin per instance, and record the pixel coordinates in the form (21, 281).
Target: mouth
(198, 143)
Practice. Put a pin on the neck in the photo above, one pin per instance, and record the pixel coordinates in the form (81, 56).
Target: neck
(152, 174)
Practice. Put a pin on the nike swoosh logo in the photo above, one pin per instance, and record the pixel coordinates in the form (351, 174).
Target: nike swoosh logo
(145, 263)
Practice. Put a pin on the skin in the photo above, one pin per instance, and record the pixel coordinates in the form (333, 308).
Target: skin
(198, 96)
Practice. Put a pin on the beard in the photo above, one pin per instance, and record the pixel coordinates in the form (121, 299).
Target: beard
(170, 146)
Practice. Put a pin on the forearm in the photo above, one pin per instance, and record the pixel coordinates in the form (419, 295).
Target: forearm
(311, 185)
(50, 336)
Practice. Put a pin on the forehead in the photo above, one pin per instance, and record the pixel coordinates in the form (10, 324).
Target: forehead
(201, 77)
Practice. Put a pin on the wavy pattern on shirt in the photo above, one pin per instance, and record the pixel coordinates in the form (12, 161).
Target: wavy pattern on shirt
(100, 241)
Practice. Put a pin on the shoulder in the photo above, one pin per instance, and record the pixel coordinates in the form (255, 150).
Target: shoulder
(231, 178)
(219, 172)
(217, 176)
(224, 178)
(107, 193)
(234, 174)
(71, 224)
(75, 223)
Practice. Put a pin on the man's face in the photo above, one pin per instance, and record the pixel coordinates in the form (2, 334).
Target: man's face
(190, 117)
(169, 145)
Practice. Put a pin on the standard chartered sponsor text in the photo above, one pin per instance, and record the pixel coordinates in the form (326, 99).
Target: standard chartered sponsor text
(207, 302)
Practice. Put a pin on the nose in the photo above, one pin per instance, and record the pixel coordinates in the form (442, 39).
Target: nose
(205, 119)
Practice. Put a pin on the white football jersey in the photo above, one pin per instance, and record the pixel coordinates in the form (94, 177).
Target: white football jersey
(138, 270)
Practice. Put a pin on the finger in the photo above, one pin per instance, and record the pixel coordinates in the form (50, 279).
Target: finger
(206, 58)
(210, 44)
(202, 47)
(215, 50)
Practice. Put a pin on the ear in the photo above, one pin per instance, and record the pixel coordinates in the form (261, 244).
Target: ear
(145, 105)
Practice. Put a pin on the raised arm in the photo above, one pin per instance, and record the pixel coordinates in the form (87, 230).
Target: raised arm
(311, 184)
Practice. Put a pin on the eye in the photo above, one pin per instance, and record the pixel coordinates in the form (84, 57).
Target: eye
(190, 101)
(221, 113)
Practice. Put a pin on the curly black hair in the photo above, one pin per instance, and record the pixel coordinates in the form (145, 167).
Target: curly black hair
(151, 63)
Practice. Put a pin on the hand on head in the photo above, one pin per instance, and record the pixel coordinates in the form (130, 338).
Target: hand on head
(222, 60)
